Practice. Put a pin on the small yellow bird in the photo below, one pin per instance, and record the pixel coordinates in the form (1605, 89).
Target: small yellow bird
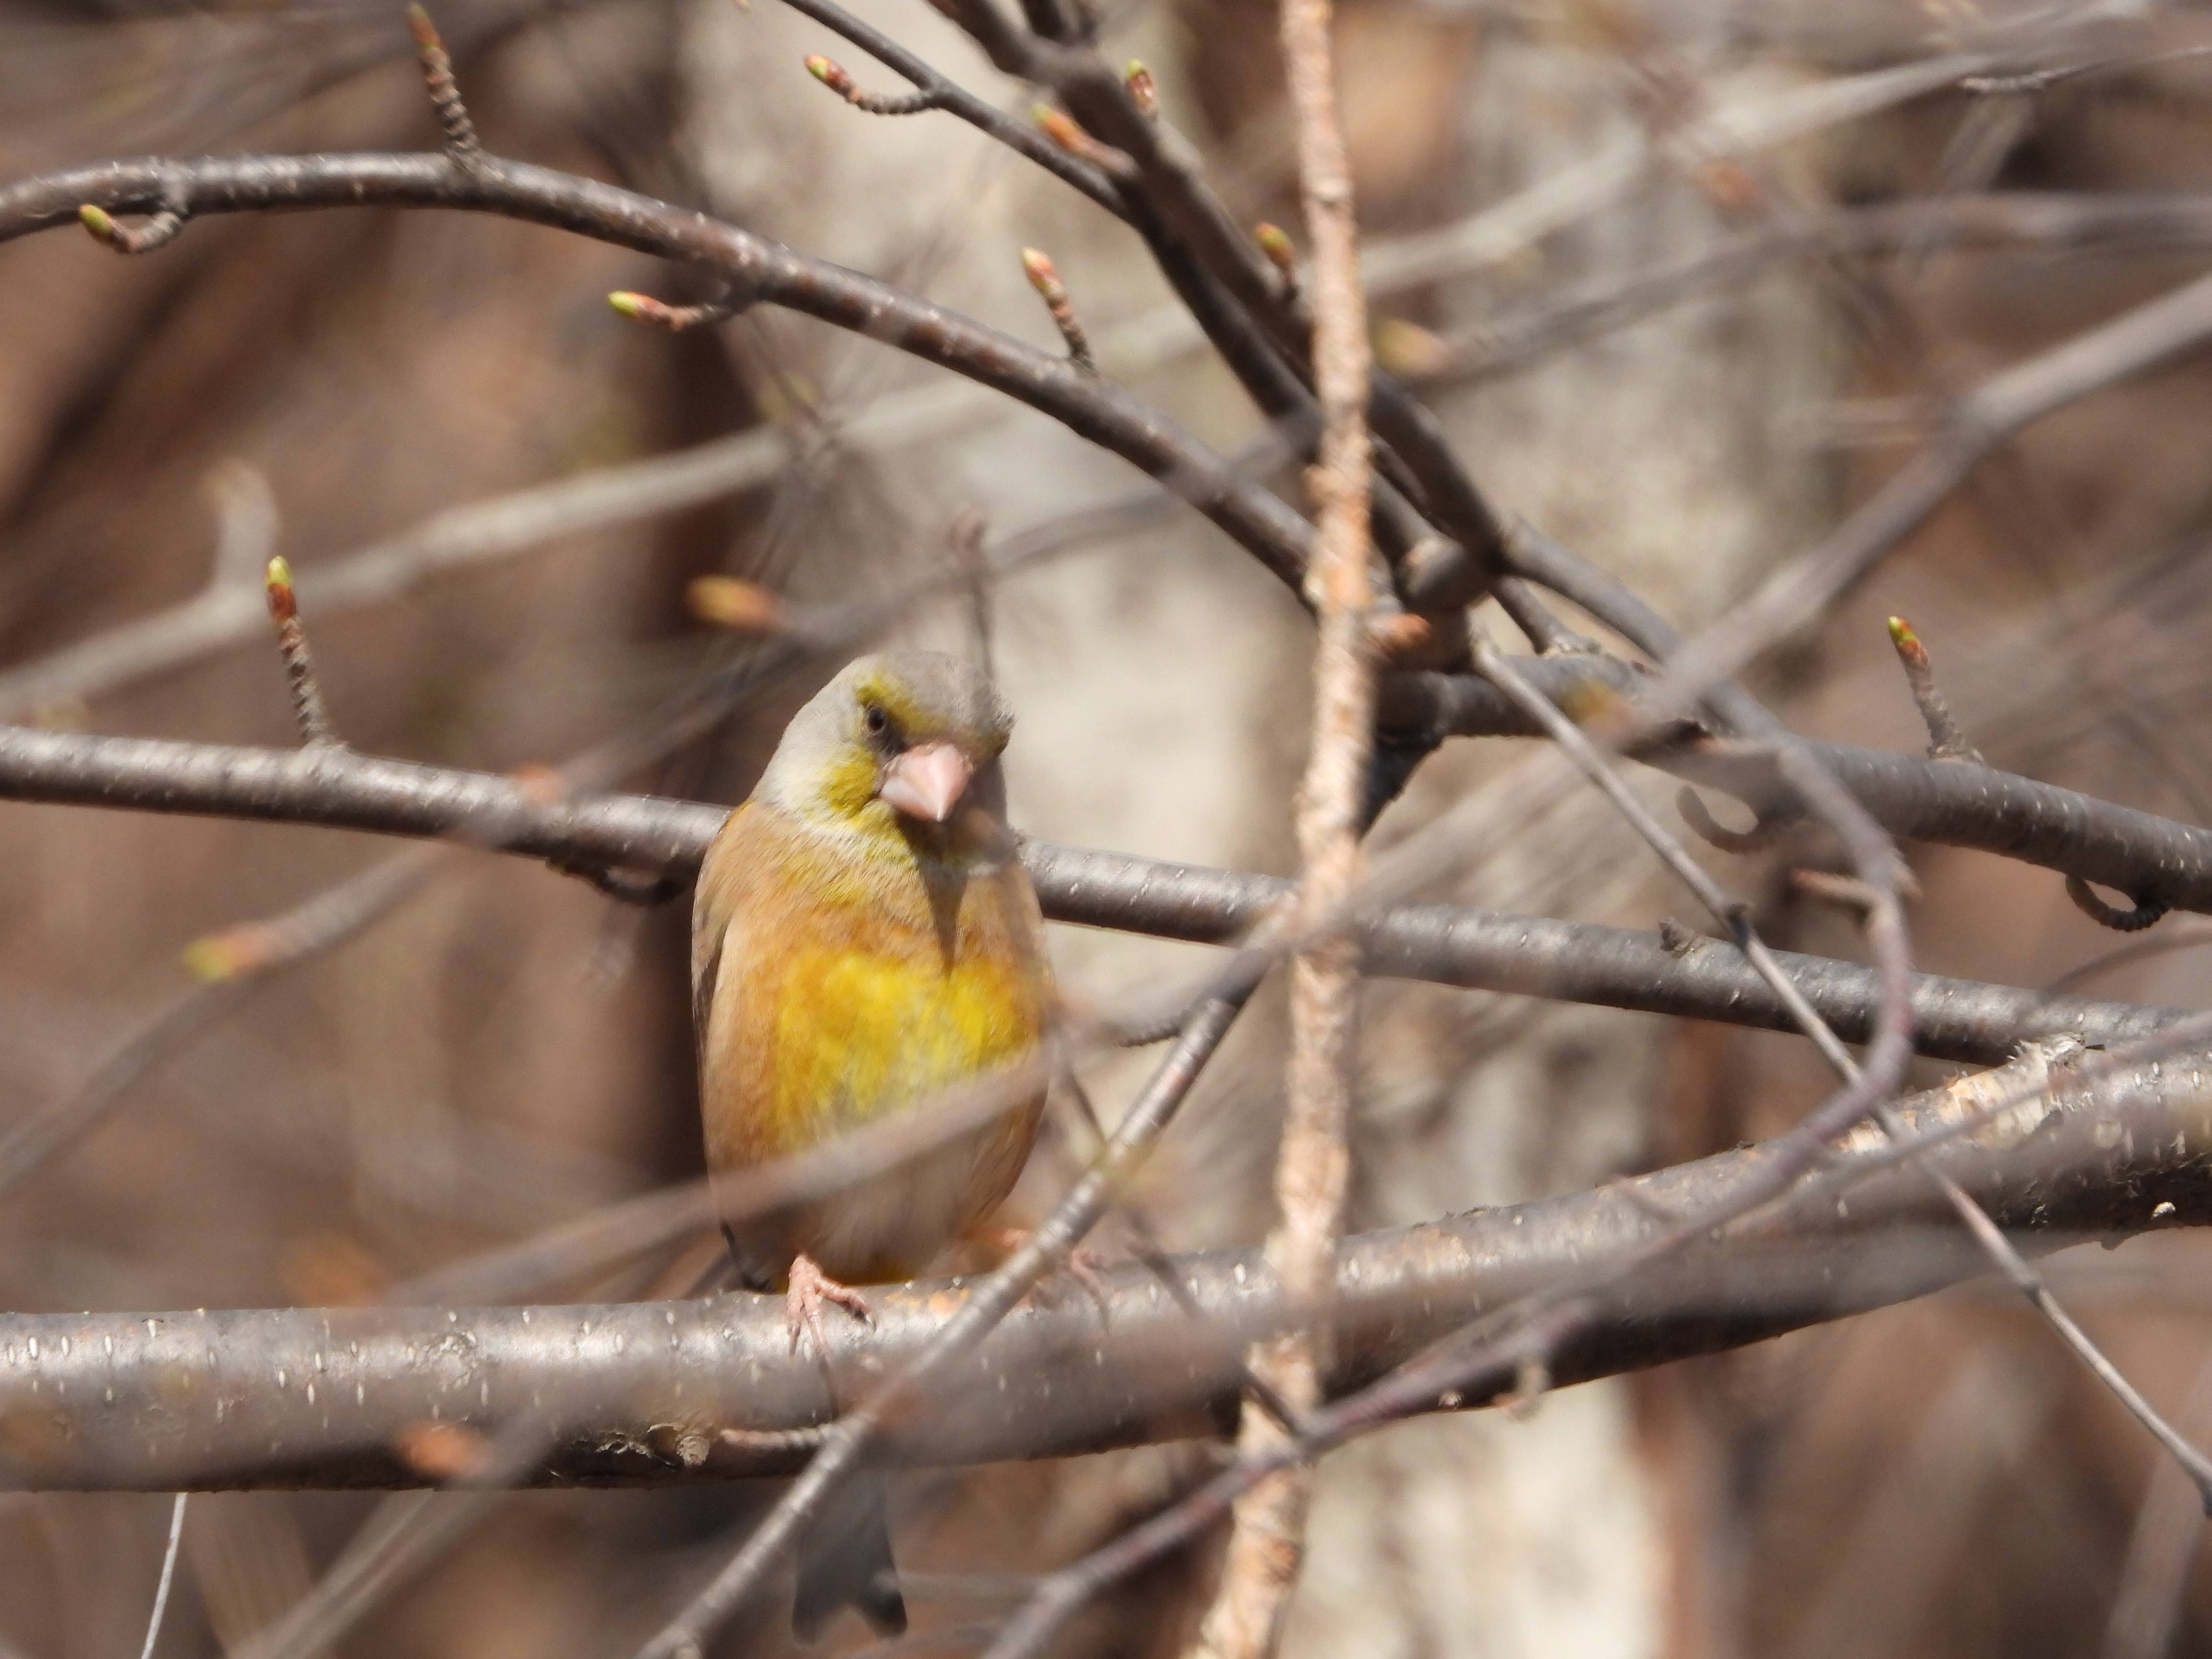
(864, 936)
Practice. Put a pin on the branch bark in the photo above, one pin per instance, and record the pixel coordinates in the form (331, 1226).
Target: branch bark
(1266, 1548)
(1528, 956)
(639, 1393)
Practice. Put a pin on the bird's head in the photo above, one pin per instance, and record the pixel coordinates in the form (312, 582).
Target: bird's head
(901, 749)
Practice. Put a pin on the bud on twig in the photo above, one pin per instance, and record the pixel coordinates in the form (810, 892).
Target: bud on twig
(644, 308)
(157, 231)
(308, 706)
(1399, 635)
(1275, 242)
(214, 958)
(832, 74)
(1143, 92)
(1945, 740)
(1062, 130)
(733, 603)
(1038, 267)
(1409, 350)
(445, 92)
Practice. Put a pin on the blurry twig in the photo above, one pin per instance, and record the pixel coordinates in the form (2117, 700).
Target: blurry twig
(2167, 1534)
(168, 1575)
(832, 75)
(229, 611)
(1037, 266)
(1733, 916)
(2177, 322)
(2027, 220)
(2176, 939)
(231, 966)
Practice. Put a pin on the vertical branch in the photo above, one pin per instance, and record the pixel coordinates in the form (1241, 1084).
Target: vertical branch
(1268, 1543)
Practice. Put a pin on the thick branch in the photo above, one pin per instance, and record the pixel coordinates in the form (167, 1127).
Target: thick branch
(638, 1391)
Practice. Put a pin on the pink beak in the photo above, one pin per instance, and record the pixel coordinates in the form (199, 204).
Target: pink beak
(927, 782)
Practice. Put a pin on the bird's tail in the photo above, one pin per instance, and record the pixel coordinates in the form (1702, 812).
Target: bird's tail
(845, 1561)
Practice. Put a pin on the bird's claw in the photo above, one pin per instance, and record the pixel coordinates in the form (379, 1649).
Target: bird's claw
(802, 1303)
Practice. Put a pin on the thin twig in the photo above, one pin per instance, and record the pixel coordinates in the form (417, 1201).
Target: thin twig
(307, 706)
(1945, 740)
(1037, 266)
(460, 132)
(1266, 1548)
(1733, 915)
(2178, 938)
(169, 1575)
(2177, 323)
(832, 74)
(230, 966)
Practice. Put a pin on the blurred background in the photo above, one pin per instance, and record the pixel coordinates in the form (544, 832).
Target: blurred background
(486, 1048)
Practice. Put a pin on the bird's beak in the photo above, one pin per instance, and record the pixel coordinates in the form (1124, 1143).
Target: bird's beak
(927, 782)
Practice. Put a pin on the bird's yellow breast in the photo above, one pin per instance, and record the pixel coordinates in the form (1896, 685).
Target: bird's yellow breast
(854, 1030)
(834, 989)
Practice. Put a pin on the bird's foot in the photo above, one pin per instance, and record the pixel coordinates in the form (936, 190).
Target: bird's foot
(802, 1303)
(1082, 1265)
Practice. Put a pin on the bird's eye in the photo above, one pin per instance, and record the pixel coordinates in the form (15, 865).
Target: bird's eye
(876, 720)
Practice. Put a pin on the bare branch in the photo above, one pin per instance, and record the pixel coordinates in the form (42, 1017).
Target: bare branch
(229, 966)
(596, 1382)
(1093, 408)
(1912, 797)
(2021, 219)
(1313, 1162)
(2176, 322)
(1528, 956)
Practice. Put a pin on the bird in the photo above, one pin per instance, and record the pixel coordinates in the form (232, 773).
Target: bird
(864, 937)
